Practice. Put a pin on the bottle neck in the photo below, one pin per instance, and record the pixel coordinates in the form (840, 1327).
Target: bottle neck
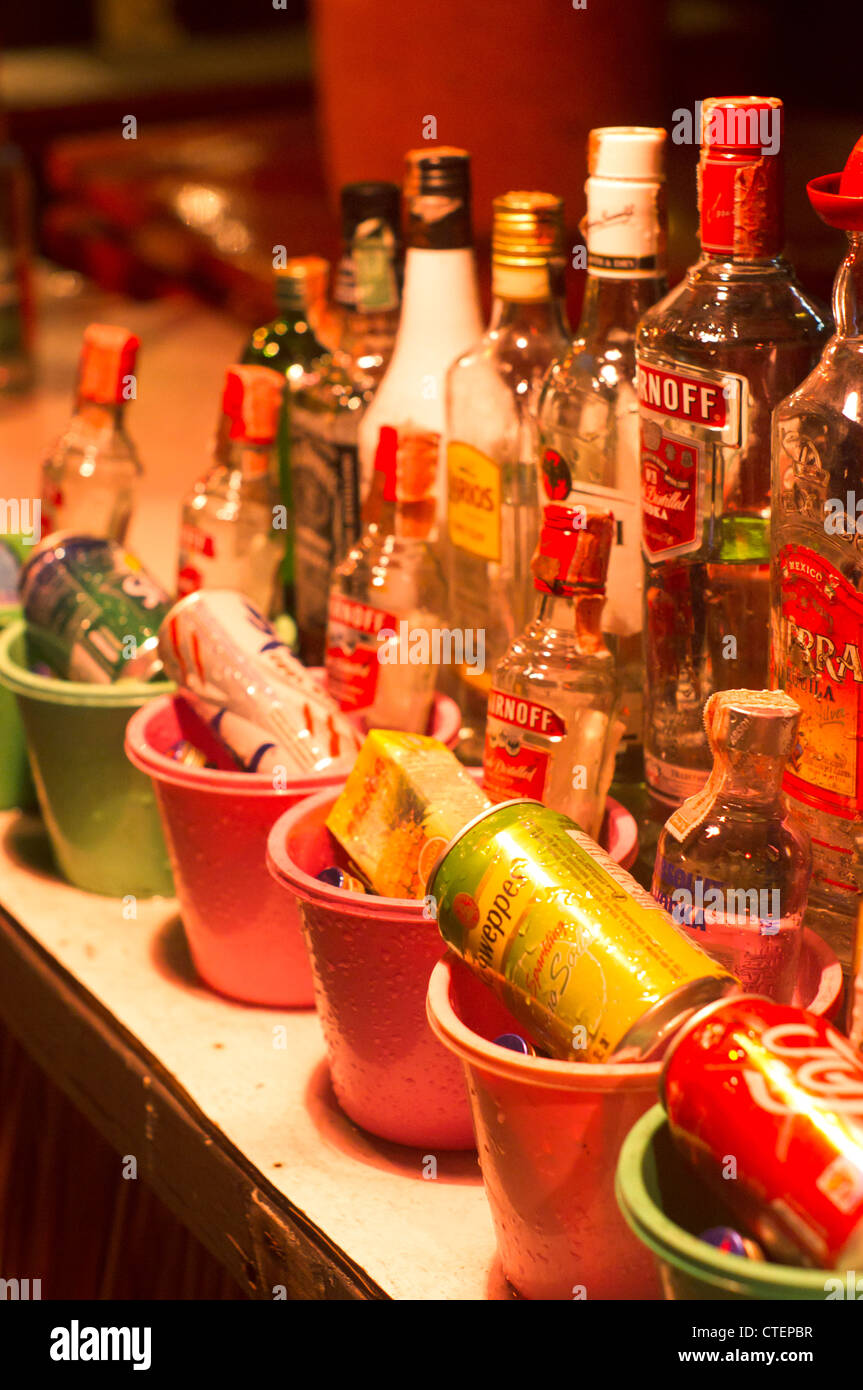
(253, 461)
(617, 305)
(440, 299)
(848, 290)
(749, 781)
(99, 416)
(580, 615)
(545, 317)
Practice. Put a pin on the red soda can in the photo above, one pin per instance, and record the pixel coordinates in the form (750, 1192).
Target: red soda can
(766, 1101)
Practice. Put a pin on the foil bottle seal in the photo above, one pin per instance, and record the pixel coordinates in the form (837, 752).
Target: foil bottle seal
(252, 401)
(573, 551)
(751, 731)
(528, 262)
(108, 359)
(740, 177)
(437, 198)
(366, 278)
(301, 282)
(625, 225)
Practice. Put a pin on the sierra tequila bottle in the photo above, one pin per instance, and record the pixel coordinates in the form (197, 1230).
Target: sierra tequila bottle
(714, 358)
(817, 579)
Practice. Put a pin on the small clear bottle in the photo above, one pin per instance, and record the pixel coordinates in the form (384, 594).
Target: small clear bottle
(733, 864)
(553, 723)
(90, 477)
(386, 608)
(229, 534)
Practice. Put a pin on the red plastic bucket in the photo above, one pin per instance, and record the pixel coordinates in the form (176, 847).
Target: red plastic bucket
(549, 1134)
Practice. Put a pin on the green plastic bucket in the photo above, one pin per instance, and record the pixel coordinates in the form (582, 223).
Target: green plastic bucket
(100, 811)
(16, 784)
(666, 1205)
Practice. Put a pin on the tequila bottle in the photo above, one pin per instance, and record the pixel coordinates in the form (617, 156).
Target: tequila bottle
(229, 532)
(493, 506)
(553, 725)
(90, 478)
(732, 864)
(589, 408)
(714, 358)
(817, 579)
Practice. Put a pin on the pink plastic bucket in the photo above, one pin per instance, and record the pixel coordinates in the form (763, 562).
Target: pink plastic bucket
(371, 959)
(549, 1134)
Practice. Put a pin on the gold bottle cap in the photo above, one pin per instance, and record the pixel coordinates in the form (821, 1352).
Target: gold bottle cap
(302, 280)
(527, 229)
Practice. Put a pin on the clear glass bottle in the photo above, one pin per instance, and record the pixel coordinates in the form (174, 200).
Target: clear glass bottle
(732, 864)
(493, 507)
(817, 580)
(714, 358)
(386, 611)
(440, 319)
(290, 345)
(589, 408)
(553, 712)
(326, 412)
(90, 478)
(229, 537)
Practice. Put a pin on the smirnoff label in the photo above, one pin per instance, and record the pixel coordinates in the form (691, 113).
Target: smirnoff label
(520, 738)
(685, 413)
(353, 649)
(819, 661)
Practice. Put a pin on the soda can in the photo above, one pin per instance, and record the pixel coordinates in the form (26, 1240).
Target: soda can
(587, 961)
(238, 674)
(765, 1100)
(93, 612)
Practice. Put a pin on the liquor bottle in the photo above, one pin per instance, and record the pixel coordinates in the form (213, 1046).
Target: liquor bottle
(732, 864)
(714, 357)
(90, 477)
(289, 345)
(386, 604)
(589, 407)
(326, 412)
(553, 725)
(493, 508)
(229, 533)
(817, 579)
(440, 319)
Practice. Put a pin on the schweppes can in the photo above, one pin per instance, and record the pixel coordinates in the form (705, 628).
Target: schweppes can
(579, 953)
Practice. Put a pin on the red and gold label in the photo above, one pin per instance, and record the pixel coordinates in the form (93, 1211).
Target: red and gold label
(353, 649)
(819, 663)
(520, 738)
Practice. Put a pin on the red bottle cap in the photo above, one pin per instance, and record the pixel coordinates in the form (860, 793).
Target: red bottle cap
(386, 460)
(573, 551)
(838, 198)
(252, 400)
(107, 362)
(739, 176)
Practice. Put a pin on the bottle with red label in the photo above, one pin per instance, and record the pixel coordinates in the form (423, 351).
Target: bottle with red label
(817, 579)
(553, 723)
(233, 523)
(713, 359)
(386, 632)
(90, 478)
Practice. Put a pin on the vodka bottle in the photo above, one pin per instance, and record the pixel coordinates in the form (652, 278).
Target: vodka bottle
(589, 407)
(714, 358)
(553, 725)
(732, 865)
(493, 507)
(229, 534)
(440, 319)
(386, 612)
(817, 579)
(90, 477)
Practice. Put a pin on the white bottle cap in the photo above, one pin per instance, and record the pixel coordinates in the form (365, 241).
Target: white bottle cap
(626, 152)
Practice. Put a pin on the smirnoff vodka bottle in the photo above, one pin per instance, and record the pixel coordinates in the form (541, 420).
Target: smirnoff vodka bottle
(229, 536)
(714, 358)
(817, 580)
(90, 477)
(553, 726)
(440, 319)
(493, 509)
(589, 409)
(732, 865)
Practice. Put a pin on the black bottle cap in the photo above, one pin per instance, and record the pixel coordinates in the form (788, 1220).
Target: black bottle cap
(437, 194)
(370, 199)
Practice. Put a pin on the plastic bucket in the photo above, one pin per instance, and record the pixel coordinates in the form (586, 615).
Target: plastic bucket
(666, 1205)
(16, 784)
(371, 960)
(100, 812)
(549, 1134)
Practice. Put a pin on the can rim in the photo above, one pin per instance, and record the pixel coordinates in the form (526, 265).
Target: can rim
(694, 1019)
(55, 690)
(451, 844)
